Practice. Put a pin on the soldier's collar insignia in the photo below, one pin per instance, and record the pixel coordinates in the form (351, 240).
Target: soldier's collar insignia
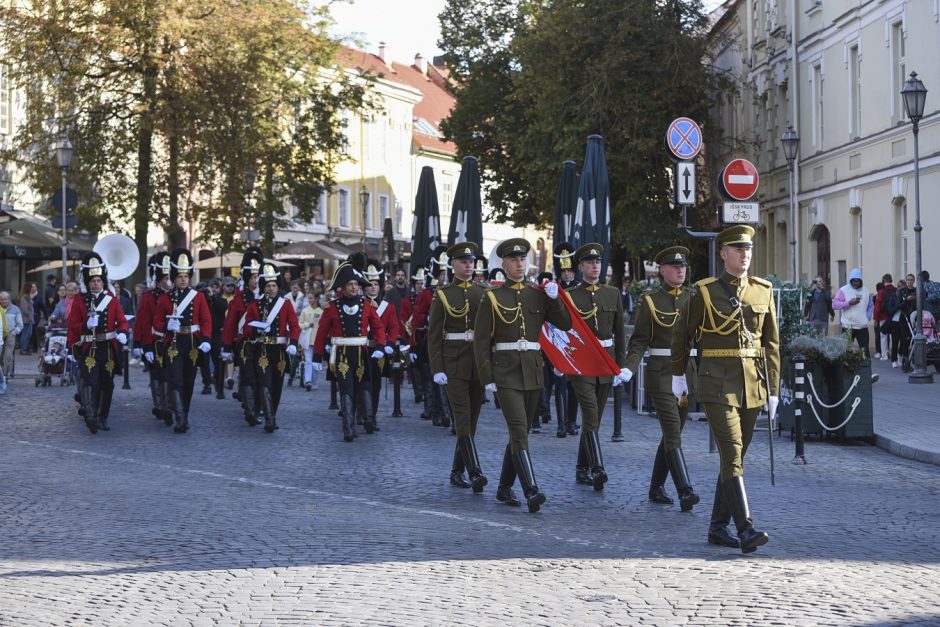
(516, 286)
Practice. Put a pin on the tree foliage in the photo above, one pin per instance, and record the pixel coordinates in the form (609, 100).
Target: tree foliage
(534, 78)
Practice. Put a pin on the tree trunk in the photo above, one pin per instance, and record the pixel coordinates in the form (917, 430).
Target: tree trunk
(175, 236)
(269, 205)
(144, 168)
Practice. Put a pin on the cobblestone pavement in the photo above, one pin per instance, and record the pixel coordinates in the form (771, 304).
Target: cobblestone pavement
(227, 524)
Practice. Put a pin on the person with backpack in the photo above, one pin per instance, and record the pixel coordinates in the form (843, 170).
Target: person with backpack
(931, 294)
(889, 310)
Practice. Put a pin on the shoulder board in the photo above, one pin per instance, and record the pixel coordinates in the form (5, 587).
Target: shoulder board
(705, 282)
(759, 281)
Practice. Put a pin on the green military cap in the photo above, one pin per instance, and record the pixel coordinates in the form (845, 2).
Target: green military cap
(674, 255)
(739, 236)
(513, 247)
(462, 250)
(589, 251)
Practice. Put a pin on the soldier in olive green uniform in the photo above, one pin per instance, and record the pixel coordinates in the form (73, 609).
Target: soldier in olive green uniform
(450, 350)
(733, 318)
(602, 309)
(509, 358)
(656, 317)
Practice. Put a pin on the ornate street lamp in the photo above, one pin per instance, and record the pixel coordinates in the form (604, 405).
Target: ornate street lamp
(364, 202)
(914, 95)
(791, 148)
(63, 154)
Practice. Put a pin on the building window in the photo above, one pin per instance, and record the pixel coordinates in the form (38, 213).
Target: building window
(383, 209)
(320, 214)
(6, 100)
(817, 107)
(855, 94)
(398, 216)
(448, 195)
(343, 196)
(898, 71)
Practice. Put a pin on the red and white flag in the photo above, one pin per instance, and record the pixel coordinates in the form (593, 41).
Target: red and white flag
(578, 351)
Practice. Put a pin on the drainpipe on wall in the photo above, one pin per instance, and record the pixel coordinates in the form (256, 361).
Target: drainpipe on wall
(795, 108)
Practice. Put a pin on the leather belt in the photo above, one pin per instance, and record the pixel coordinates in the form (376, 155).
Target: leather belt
(466, 336)
(521, 345)
(732, 352)
(264, 339)
(349, 341)
(193, 328)
(607, 343)
(667, 352)
(99, 337)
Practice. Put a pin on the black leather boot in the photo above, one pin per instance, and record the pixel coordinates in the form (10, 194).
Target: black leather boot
(349, 422)
(447, 418)
(592, 443)
(718, 527)
(104, 409)
(680, 476)
(560, 411)
(456, 471)
(571, 414)
(471, 460)
(365, 406)
(165, 404)
(582, 472)
(176, 403)
(155, 398)
(333, 394)
(248, 405)
(507, 477)
(533, 496)
(658, 479)
(428, 399)
(736, 498)
(267, 406)
(91, 412)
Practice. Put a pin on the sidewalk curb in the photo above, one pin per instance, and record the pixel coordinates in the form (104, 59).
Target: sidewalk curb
(907, 452)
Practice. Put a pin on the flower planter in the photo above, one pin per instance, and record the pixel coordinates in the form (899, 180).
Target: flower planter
(786, 414)
(840, 379)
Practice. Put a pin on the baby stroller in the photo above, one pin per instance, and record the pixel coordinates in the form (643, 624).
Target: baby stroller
(53, 360)
(932, 345)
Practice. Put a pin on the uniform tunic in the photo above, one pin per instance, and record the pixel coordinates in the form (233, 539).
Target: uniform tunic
(267, 351)
(144, 336)
(95, 352)
(348, 317)
(181, 352)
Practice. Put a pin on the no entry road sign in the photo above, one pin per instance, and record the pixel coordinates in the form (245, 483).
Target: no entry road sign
(739, 179)
(684, 139)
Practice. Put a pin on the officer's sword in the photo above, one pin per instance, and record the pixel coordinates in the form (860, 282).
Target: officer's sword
(770, 420)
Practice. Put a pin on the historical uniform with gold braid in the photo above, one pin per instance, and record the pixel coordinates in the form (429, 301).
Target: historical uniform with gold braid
(733, 320)
(387, 313)
(601, 308)
(566, 401)
(234, 336)
(509, 358)
(158, 274)
(450, 350)
(656, 317)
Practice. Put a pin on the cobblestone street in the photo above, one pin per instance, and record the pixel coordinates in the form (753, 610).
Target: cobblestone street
(227, 524)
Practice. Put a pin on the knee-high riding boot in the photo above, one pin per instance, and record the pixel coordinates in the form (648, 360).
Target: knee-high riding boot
(155, 398)
(104, 408)
(560, 398)
(592, 443)
(248, 405)
(471, 460)
(721, 516)
(680, 476)
(657, 481)
(582, 473)
(736, 498)
(507, 477)
(365, 404)
(176, 402)
(456, 471)
(349, 421)
(267, 406)
(533, 496)
(91, 411)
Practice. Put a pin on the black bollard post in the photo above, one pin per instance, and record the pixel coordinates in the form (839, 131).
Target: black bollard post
(127, 369)
(799, 396)
(618, 414)
(333, 404)
(396, 370)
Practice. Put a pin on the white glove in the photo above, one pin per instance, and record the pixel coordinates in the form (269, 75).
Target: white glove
(377, 354)
(625, 375)
(173, 325)
(557, 372)
(92, 323)
(551, 290)
(137, 353)
(227, 356)
(121, 338)
(404, 349)
(317, 366)
(327, 348)
(266, 329)
(205, 347)
(490, 387)
(771, 407)
(414, 357)
(440, 378)
(616, 382)
(679, 386)
(389, 349)
(149, 356)
(291, 350)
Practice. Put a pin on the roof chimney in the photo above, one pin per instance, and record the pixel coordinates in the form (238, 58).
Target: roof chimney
(382, 50)
(419, 63)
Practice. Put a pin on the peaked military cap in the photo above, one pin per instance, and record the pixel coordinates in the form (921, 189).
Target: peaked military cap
(589, 251)
(513, 247)
(462, 250)
(739, 236)
(674, 255)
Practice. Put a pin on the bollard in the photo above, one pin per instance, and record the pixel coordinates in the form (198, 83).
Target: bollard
(333, 404)
(127, 369)
(799, 397)
(396, 370)
(618, 414)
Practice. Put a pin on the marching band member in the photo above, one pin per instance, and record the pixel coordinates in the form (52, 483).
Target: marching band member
(158, 277)
(233, 335)
(387, 314)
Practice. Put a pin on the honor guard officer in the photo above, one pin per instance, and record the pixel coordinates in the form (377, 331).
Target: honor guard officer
(386, 312)
(158, 278)
(734, 320)
(97, 329)
(566, 403)
(347, 324)
(507, 350)
(234, 336)
(450, 350)
(601, 308)
(655, 320)
(182, 315)
(273, 331)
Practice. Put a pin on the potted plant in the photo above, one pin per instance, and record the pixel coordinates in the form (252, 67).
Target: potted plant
(848, 374)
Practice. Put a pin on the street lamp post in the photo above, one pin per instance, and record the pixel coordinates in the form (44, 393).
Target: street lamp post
(791, 147)
(364, 201)
(914, 95)
(63, 154)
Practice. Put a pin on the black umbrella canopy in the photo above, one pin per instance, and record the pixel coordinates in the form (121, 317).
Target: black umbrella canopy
(566, 201)
(426, 228)
(466, 216)
(592, 215)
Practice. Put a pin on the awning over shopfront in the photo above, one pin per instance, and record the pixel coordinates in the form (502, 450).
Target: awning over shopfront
(313, 250)
(29, 238)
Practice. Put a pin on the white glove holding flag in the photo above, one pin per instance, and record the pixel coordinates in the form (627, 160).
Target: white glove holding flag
(440, 378)
(205, 347)
(291, 350)
(625, 375)
(680, 387)
(551, 290)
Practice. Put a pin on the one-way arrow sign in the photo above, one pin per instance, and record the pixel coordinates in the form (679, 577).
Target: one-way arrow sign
(685, 183)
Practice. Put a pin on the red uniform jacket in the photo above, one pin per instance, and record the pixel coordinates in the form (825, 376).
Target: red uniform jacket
(196, 313)
(389, 320)
(237, 308)
(143, 323)
(419, 319)
(331, 326)
(404, 315)
(287, 324)
(110, 319)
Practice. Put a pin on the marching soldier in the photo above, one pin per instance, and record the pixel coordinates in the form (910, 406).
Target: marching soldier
(418, 283)
(450, 350)
(505, 342)
(273, 331)
(182, 316)
(655, 320)
(566, 403)
(439, 408)
(158, 276)
(601, 308)
(97, 330)
(734, 320)
(346, 325)
(234, 337)
(386, 312)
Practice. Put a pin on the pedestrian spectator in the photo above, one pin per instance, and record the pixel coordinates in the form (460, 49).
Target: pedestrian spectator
(930, 294)
(888, 307)
(27, 310)
(50, 294)
(817, 310)
(882, 338)
(296, 297)
(396, 291)
(855, 304)
(59, 316)
(14, 327)
(907, 296)
(39, 317)
(309, 323)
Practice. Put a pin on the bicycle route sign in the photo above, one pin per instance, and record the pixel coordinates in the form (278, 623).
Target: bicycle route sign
(684, 139)
(740, 212)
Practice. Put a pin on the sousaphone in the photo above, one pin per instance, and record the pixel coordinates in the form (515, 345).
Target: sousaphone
(120, 255)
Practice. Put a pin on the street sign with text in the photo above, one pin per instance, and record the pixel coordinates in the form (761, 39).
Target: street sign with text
(740, 212)
(685, 183)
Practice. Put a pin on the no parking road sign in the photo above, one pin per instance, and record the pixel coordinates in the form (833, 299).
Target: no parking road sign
(684, 139)
(739, 179)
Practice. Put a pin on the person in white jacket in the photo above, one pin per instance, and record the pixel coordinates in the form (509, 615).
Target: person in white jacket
(855, 307)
